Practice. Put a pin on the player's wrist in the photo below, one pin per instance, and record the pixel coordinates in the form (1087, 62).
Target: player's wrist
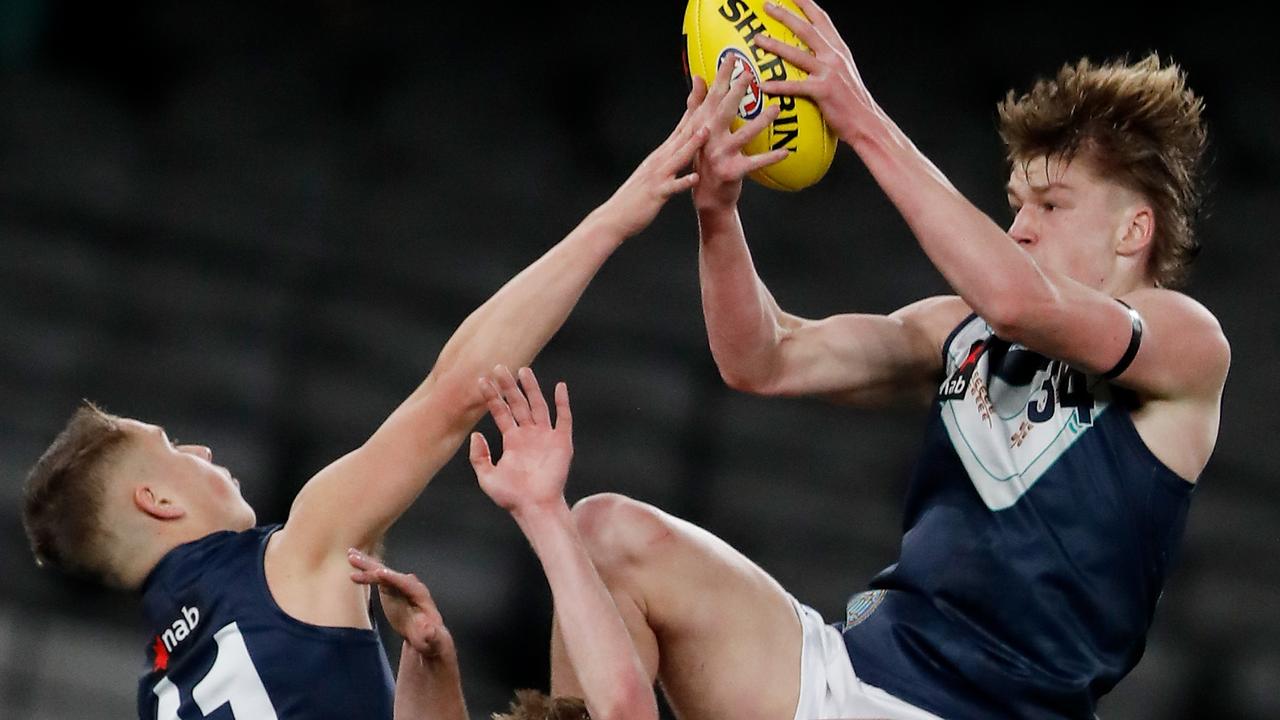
(607, 226)
(864, 127)
(718, 224)
(535, 515)
(717, 203)
(444, 652)
(440, 660)
(626, 213)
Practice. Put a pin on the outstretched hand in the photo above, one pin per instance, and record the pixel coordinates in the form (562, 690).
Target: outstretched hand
(833, 80)
(407, 604)
(659, 176)
(720, 162)
(704, 126)
(535, 453)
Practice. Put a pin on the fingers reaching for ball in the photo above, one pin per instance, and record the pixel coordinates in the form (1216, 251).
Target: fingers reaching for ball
(752, 71)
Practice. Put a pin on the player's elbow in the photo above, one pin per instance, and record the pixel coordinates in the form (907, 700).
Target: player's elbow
(630, 700)
(764, 384)
(743, 380)
(755, 373)
(1013, 311)
(453, 391)
(1005, 321)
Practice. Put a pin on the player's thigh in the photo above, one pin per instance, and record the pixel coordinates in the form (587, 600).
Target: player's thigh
(728, 636)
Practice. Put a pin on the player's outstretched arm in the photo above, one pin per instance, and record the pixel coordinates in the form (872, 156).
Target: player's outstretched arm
(429, 684)
(759, 348)
(528, 481)
(352, 502)
(1183, 355)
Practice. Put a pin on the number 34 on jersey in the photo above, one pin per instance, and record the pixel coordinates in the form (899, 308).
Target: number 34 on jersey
(1010, 425)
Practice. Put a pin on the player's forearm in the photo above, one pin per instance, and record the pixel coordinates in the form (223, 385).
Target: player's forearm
(429, 688)
(422, 434)
(977, 258)
(744, 323)
(522, 316)
(612, 678)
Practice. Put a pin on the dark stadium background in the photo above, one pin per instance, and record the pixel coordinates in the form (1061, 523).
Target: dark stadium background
(256, 224)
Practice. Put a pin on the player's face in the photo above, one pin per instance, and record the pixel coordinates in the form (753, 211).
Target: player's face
(209, 490)
(1069, 217)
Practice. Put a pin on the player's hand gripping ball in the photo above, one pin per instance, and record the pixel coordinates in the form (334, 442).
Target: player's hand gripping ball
(718, 31)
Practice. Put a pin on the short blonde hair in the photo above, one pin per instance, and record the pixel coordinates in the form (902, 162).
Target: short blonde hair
(62, 507)
(1140, 124)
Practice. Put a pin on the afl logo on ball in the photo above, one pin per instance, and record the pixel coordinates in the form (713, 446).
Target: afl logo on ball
(753, 102)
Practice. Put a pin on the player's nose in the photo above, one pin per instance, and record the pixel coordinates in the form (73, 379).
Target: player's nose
(199, 451)
(1023, 230)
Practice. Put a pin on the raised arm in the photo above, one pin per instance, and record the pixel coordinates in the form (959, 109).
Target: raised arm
(1183, 354)
(429, 684)
(857, 359)
(528, 481)
(353, 502)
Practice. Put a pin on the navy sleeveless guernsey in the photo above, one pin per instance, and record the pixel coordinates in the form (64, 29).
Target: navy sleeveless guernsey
(1038, 532)
(223, 650)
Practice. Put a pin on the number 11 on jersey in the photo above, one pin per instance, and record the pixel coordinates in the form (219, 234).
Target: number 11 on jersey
(232, 680)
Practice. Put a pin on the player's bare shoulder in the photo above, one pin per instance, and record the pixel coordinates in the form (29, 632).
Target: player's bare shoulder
(934, 318)
(1178, 376)
(1184, 353)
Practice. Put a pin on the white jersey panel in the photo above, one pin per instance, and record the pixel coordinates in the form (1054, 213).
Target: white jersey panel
(1009, 431)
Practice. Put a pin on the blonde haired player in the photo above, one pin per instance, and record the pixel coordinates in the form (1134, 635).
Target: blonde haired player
(264, 622)
(1075, 400)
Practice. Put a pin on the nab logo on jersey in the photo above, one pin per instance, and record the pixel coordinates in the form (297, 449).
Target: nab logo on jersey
(178, 631)
(956, 386)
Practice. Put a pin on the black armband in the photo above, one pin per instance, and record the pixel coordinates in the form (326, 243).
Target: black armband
(1134, 341)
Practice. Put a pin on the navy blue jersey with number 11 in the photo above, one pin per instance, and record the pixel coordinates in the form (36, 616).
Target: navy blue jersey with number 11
(223, 650)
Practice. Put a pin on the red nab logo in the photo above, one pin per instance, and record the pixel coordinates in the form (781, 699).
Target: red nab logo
(753, 102)
(957, 386)
(161, 662)
(974, 353)
(180, 630)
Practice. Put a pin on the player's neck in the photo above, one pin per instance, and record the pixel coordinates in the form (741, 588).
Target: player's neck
(138, 559)
(1126, 280)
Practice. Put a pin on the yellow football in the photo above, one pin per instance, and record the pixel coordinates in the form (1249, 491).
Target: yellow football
(717, 31)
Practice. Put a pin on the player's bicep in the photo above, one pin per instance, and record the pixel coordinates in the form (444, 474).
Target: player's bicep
(1181, 351)
(1175, 350)
(353, 501)
(869, 360)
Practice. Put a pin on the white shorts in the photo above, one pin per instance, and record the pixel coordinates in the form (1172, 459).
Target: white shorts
(828, 686)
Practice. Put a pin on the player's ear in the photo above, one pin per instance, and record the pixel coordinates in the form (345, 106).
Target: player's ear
(156, 503)
(1139, 231)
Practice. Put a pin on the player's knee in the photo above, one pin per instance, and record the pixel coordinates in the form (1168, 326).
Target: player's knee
(619, 531)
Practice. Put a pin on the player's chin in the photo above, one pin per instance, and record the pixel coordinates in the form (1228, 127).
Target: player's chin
(245, 518)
